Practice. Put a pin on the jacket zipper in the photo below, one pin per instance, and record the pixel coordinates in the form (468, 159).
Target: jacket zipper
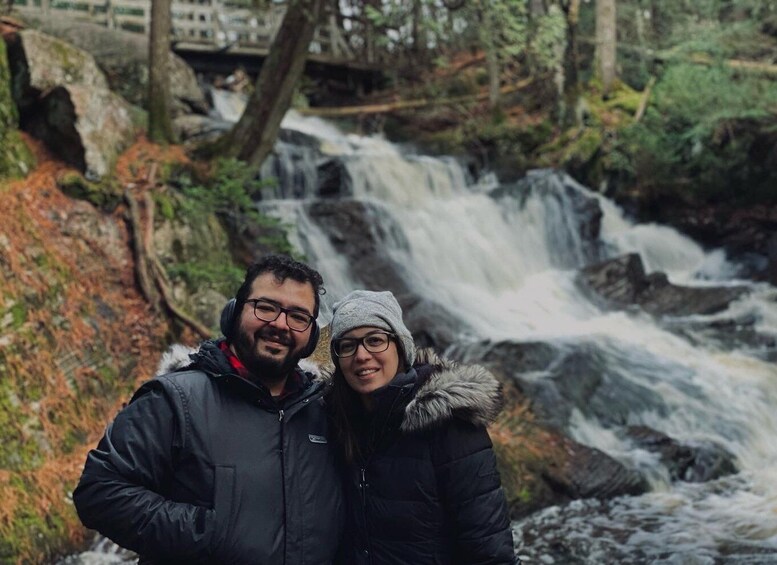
(283, 484)
(363, 488)
(364, 485)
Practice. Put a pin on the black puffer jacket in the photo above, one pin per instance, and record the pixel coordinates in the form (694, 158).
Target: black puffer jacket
(203, 466)
(427, 490)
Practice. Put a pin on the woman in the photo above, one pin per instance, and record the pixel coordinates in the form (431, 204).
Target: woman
(422, 484)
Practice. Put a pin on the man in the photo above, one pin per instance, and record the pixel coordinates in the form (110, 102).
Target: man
(227, 460)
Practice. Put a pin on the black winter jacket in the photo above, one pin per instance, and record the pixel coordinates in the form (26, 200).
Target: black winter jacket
(203, 467)
(427, 490)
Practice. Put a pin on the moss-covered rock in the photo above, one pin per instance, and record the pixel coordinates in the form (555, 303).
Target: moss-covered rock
(15, 157)
(104, 194)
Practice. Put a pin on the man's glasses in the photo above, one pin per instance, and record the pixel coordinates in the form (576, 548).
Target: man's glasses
(267, 311)
(375, 342)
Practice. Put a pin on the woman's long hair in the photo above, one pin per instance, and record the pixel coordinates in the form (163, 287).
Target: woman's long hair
(347, 413)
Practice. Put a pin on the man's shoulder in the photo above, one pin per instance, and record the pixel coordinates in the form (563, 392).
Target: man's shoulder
(181, 381)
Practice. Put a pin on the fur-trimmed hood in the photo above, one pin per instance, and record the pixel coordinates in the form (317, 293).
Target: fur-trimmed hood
(468, 392)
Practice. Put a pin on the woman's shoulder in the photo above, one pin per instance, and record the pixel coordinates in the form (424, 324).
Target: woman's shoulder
(451, 391)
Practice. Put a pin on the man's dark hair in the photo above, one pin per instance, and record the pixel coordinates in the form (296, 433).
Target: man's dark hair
(283, 267)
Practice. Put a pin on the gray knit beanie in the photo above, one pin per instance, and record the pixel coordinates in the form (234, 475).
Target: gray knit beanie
(375, 309)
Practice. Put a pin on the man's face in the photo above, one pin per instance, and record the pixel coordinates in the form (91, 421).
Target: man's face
(271, 349)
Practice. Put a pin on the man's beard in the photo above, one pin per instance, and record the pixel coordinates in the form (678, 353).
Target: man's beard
(263, 369)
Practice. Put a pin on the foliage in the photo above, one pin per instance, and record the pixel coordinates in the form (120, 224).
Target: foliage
(548, 38)
(222, 275)
(697, 137)
(230, 193)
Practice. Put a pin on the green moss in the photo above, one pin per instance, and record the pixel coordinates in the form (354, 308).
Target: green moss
(220, 275)
(18, 315)
(105, 194)
(15, 157)
(624, 98)
(36, 537)
(17, 453)
(165, 205)
(582, 149)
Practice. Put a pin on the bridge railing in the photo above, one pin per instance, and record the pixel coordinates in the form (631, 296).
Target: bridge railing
(206, 24)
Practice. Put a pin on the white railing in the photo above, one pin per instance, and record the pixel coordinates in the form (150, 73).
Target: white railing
(215, 24)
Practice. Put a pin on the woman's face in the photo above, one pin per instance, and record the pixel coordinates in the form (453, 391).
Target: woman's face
(366, 372)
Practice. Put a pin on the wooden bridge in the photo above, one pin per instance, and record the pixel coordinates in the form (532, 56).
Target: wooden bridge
(221, 27)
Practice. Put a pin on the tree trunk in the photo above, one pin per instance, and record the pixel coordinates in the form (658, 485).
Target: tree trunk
(252, 138)
(488, 35)
(160, 124)
(605, 43)
(536, 8)
(569, 80)
(417, 30)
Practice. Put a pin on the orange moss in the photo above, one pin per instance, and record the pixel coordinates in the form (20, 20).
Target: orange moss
(137, 162)
(82, 339)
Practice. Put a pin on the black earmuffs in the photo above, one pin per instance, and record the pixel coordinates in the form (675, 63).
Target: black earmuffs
(227, 324)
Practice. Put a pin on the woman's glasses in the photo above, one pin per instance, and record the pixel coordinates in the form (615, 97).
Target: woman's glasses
(375, 342)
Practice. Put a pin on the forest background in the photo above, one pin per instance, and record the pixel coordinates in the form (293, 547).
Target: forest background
(667, 106)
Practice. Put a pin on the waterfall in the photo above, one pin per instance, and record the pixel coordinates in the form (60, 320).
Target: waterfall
(503, 259)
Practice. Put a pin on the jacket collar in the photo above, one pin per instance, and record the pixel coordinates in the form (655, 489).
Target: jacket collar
(209, 358)
(468, 392)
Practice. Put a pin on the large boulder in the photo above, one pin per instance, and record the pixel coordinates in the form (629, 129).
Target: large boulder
(64, 100)
(622, 282)
(594, 379)
(40, 62)
(87, 126)
(695, 463)
(123, 57)
(542, 467)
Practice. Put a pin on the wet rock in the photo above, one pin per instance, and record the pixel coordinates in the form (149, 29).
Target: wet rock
(356, 233)
(431, 324)
(748, 234)
(622, 283)
(594, 379)
(729, 334)
(299, 139)
(590, 473)
(693, 463)
(331, 174)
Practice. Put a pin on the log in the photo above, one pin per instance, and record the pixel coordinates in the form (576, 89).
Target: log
(697, 59)
(339, 112)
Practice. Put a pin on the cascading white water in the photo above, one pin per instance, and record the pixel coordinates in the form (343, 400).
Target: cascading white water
(507, 267)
